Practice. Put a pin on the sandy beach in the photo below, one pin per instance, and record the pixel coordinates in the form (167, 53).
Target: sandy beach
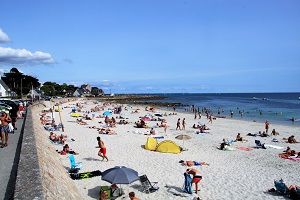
(236, 174)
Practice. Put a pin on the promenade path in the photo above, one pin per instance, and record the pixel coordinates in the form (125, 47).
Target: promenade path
(9, 159)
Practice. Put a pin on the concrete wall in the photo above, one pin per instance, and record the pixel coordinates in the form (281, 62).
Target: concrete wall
(40, 173)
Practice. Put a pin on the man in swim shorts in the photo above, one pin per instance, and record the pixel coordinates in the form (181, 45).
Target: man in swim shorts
(102, 151)
(190, 163)
(196, 177)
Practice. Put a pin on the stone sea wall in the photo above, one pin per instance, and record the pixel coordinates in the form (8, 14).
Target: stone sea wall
(40, 173)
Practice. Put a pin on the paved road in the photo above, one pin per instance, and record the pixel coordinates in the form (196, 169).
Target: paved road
(9, 159)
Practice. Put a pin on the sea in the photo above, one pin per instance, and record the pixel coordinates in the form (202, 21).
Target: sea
(279, 108)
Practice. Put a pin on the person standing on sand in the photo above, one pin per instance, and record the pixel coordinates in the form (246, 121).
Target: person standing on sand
(210, 118)
(165, 128)
(183, 124)
(102, 151)
(267, 125)
(196, 177)
(178, 124)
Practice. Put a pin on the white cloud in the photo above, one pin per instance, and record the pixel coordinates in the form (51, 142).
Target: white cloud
(3, 37)
(24, 57)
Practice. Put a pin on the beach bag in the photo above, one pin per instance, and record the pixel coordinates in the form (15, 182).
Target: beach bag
(10, 128)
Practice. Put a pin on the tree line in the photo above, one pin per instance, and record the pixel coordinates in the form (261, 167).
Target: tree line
(21, 84)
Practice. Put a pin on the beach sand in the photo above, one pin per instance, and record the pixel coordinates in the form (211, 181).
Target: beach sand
(234, 174)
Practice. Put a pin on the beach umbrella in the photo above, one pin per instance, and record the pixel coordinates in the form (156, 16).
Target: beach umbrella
(75, 115)
(120, 175)
(183, 137)
(107, 113)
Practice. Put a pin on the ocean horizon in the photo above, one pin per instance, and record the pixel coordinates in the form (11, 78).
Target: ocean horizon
(279, 107)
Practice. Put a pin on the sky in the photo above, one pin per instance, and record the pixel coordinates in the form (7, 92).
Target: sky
(155, 46)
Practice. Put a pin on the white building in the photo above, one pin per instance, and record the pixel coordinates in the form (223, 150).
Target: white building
(4, 89)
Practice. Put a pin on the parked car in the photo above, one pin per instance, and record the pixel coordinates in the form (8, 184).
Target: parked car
(10, 103)
(7, 107)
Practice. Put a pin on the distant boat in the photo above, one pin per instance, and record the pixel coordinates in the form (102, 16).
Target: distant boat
(299, 98)
(265, 98)
(254, 98)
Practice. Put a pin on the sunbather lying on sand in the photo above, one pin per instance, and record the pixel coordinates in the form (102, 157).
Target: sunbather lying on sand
(292, 139)
(203, 127)
(225, 146)
(160, 125)
(252, 134)
(190, 163)
(107, 131)
(57, 138)
(81, 122)
(123, 121)
(93, 127)
(67, 149)
(141, 124)
(288, 151)
(292, 190)
(263, 134)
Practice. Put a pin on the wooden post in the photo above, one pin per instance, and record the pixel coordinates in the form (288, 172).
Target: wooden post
(62, 126)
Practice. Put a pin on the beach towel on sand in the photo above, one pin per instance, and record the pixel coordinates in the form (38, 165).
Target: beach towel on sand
(244, 148)
(289, 158)
(273, 146)
(84, 175)
(187, 183)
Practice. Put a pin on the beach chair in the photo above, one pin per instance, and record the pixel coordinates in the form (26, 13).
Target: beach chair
(281, 187)
(74, 165)
(146, 185)
(259, 144)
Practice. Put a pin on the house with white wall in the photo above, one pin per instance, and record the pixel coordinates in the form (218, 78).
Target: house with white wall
(4, 89)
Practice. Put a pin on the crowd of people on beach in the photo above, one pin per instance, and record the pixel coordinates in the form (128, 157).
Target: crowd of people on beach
(109, 123)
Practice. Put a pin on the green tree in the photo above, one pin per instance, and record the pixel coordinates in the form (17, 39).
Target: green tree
(18, 82)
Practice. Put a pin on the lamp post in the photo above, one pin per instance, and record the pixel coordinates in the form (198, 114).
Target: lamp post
(21, 88)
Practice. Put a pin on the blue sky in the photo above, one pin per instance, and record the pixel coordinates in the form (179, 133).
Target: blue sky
(155, 46)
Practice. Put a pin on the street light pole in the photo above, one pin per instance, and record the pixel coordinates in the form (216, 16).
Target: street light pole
(21, 89)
